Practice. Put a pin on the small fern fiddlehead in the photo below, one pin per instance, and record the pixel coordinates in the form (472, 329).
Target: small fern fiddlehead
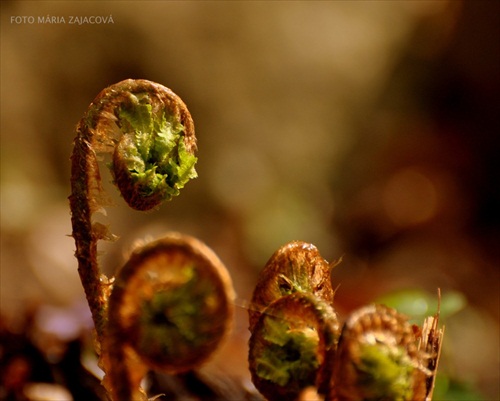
(170, 308)
(293, 324)
(377, 358)
(381, 355)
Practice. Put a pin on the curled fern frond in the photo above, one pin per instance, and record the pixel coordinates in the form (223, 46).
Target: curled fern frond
(171, 306)
(378, 358)
(294, 328)
(149, 132)
(292, 346)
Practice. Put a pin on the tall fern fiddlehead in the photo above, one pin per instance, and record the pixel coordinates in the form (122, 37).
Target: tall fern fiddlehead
(148, 134)
(145, 127)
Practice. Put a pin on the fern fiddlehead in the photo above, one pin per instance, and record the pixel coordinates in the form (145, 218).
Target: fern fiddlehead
(170, 308)
(377, 357)
(147, 128)
(381, 355)
(294, 328)
(148, 134)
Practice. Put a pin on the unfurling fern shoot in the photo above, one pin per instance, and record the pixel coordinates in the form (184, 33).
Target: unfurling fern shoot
(293, 324)
(170, 305)
(149, 132)
(170, 308)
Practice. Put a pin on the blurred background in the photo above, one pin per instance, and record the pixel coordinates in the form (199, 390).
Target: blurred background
(367, 128)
